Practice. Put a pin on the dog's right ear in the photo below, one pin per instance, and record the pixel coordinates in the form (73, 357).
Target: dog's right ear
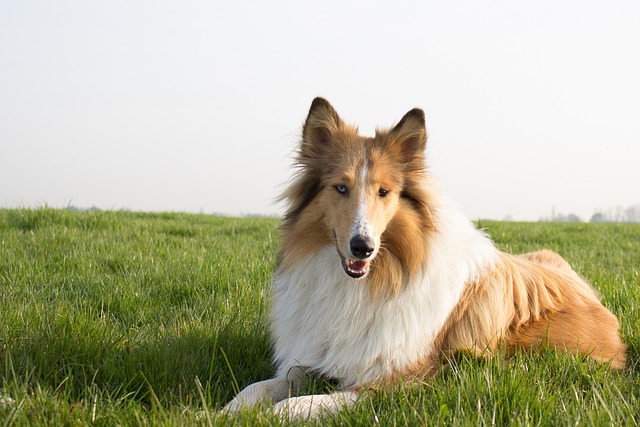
(321, 124)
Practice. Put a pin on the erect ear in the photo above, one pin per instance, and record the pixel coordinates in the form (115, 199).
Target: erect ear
(410, 135)
(321, 124)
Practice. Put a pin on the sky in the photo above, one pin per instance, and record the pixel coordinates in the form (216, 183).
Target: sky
(197, 106)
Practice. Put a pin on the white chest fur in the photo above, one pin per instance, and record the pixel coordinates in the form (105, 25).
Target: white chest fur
(326, 321)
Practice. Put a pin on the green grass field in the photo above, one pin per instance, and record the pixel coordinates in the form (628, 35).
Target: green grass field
(116, 318)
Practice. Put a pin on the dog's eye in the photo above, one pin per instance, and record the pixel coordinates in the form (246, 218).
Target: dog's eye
(382, 192)
(341, 189)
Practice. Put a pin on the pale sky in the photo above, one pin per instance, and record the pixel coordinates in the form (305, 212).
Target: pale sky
(197, 106)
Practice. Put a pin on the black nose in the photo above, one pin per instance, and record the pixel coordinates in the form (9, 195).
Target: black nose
(361, 247)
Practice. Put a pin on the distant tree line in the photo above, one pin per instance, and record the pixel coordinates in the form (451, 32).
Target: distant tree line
(564, 218)
(617, 214)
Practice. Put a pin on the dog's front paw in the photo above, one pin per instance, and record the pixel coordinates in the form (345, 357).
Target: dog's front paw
(311, 406)
(263, 392)
(234, 406)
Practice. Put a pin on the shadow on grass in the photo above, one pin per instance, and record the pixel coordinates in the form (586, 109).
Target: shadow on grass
(166, 370)
(633, 357)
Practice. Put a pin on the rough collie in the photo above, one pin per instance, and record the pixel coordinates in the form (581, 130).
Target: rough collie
(380, 278)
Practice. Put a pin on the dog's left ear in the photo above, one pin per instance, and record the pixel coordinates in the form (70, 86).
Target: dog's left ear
(410, 135)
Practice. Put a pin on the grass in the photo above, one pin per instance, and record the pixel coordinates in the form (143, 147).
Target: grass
(117, 318)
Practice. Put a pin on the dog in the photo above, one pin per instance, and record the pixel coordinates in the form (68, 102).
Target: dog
(381, 278)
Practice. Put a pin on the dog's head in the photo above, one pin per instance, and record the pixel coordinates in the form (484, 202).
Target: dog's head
(360, 184)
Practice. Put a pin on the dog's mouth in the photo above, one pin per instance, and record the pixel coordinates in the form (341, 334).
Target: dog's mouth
(356, 268)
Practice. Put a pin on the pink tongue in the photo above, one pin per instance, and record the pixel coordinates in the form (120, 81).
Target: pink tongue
(356, 265)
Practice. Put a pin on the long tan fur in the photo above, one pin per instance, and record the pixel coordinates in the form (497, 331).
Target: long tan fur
(529, 301)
